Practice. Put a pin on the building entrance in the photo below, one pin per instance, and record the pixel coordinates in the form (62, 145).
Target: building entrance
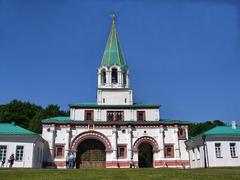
(91, 154)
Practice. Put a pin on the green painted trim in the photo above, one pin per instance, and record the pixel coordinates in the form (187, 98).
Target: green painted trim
(95, 105)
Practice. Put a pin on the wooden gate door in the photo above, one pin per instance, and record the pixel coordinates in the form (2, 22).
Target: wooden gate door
(91, 154)
(145, 155)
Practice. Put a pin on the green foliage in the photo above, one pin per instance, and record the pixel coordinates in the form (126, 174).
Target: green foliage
(198, 128)
(28, 115)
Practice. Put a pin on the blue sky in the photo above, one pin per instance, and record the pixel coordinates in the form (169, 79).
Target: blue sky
(183, 54)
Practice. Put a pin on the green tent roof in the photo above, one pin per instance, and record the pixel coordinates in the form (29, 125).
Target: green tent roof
(12, 129)
(113, 54)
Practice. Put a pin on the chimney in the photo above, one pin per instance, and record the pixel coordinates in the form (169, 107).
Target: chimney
(234, 125)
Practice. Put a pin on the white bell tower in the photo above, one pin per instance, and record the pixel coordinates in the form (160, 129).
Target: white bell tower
(113, 74)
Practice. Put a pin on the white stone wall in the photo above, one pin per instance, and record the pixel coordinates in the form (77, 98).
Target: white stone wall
(196, 156)
(197, 161)
(226, 159)
(114, 97)
(63, 134)
(29, 152)
(129, 114)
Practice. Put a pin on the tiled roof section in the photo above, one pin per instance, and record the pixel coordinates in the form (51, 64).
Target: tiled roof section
(134, 105)
(113, 54)
(12, 129)
(60, 119)
(222, 130)
(70, 121)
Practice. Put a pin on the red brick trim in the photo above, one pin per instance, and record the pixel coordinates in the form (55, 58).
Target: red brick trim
(146, 139)
(171, 163)
(121, 164)
(91, 135)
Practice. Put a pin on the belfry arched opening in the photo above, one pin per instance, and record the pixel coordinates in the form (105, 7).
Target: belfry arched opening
(91, 154)
(145, 155)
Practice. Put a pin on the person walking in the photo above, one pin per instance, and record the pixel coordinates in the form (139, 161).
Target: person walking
(3, 162)
(11, 160)
(74, 160)
(70, 161)
(67, 161)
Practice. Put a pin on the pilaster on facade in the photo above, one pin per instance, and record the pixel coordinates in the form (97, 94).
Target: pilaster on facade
(114, 143)
(161, 142)
(129, 144)
(176, 143)
(68, 139)
(52, 135)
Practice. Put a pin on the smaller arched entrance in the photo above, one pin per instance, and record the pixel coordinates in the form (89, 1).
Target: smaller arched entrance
(145, 155)
(146, 146)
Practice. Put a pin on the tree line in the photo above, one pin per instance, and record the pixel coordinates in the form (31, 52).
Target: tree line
(29, 116)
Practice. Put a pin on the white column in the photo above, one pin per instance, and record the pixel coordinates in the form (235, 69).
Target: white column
(120, 78)
(108, 78)
(127, 80)
(161, 142)
(114, 143)
(52, 141)
(99, 79)
(129, 144)
(176, 143)
(67, 146)
(131, 115)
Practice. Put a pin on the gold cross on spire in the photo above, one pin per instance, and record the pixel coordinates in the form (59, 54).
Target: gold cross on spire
(113, 15)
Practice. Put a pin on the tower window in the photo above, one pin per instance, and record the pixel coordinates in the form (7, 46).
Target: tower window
(115, 115)
(141, 115)
(89, 115)
(124, 78)
(181, 133)
(114, 75)
(103, 77)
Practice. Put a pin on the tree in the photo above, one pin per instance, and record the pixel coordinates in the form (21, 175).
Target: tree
(198, 128)
(28, 115)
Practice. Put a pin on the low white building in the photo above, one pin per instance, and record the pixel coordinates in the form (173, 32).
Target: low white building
(217, 147)
(27, 147)
(114, 131)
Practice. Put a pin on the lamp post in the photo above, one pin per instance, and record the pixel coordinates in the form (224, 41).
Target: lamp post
(204, 150)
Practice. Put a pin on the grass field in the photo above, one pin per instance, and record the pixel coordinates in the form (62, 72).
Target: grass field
(32, 174)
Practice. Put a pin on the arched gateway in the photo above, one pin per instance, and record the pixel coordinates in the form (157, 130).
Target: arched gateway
(145, 146)
(91, 149)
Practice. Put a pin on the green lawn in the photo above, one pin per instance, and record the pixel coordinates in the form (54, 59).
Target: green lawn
(160, 173)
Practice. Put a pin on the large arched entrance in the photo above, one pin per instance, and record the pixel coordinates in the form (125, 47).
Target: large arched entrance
(91, 154)
(145, 155)
(91, 148)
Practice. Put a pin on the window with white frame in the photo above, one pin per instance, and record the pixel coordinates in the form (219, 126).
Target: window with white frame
(19, 153)
(218, 150)
(3, 152)
(233, 150)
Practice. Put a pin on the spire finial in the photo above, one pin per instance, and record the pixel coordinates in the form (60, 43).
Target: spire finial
(113, 15)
